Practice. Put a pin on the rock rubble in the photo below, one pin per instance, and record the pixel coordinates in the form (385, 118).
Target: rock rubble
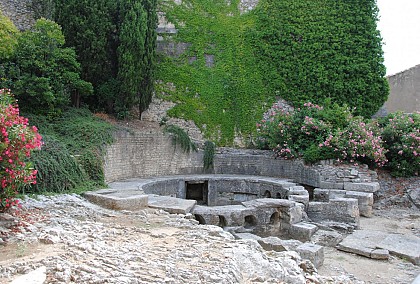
(83, 243)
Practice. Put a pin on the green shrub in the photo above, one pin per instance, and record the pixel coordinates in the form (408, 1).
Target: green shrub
(58, 170)
(209, 152)
(401, 137)
(180, 137)
(317, 133)
(73, 154)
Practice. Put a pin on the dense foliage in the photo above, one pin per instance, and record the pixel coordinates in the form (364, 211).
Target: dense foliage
(313, 50)
(8, 37)
(72, 154)
(237, 63)
(115, 42)
(17, 142)
(180, 137)
(42, 73)
(218, 83)
(317, 133)
(401, 135)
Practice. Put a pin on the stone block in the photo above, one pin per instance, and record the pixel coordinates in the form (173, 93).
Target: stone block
(312, 252)
(292, 215)
(337, 193)
(302, 231)
(171, 204)
(327, 238)
(331, 185)
(404, 246)
(298, 190)
(321, 194)
(303, 199)
(362, 186)
(344, 210)
(276, 244)
(379, 254)
(105, 198)
(365, 202)
(269, 203)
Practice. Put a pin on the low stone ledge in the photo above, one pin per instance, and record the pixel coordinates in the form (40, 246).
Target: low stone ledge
(105, 198)
(371, 187)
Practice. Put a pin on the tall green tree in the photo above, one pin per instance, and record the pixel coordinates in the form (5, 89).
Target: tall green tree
(42, 73)
(318, 49)
(149, 56)
(90, 26)
(132, 37)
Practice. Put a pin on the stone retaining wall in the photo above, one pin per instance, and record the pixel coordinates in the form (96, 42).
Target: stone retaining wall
(141, 155)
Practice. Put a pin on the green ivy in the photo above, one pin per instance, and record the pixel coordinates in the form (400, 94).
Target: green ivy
(224, 98)
(298, 50)
(313, 50)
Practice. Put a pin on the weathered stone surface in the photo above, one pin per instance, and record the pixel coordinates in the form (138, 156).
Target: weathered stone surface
(365, 201)
(37, 276)
(277, 244)
(117, 200)
(233, 215)
(269, 203)
(379, 254)
(327, 238)
(367, 243)
(171, 204)
(302, 231)
(321, 195)
(247, 236)
(414, 196)
(313, 252)
(303, 199)
(363, 186)
(338, 210)
(407, 247)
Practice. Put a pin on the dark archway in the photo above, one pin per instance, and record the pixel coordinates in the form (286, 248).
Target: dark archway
(250, 221)
(222, 221)
(267, 194)
(200, 219)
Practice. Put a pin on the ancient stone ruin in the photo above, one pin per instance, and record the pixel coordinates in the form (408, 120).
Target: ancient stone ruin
(281, 204)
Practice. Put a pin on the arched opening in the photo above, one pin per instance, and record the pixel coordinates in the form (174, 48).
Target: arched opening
(250, 221)
(200, 219)
(278, 195)
(222, 221)
(275, 218)
(267, 194)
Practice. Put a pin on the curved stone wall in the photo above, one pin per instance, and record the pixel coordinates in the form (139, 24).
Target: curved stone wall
(151, 154)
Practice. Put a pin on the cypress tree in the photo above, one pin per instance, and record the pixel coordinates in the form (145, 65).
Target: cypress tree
(149, 56)
(132, 38)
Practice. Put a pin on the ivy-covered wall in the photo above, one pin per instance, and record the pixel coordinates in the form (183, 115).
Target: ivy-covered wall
(217, 81)
(236, 62)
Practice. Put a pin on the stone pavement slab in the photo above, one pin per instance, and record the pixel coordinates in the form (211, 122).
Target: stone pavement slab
(171, 204)
(379, 245)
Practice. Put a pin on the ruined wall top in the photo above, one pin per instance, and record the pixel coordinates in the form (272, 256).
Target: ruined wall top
(19, 12)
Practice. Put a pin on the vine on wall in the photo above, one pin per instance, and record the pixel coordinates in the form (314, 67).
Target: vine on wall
(218, 83)
(297, 50)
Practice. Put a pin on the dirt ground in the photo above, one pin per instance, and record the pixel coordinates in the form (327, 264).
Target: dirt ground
(394, 270)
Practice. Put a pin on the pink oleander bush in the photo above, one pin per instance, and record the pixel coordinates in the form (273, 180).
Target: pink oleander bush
(316, 133)
(17, 142)
(401, 137)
